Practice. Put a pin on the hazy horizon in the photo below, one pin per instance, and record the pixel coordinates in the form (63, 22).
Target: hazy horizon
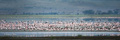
(56, 6)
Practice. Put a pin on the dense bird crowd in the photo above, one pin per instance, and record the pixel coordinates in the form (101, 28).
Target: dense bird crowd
(60, 26)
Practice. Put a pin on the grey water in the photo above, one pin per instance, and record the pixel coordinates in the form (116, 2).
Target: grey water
(45, 34)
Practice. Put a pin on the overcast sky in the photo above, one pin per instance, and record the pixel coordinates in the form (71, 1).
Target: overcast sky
(46, 6)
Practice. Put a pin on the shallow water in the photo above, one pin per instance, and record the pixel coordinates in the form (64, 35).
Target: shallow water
(44, 34)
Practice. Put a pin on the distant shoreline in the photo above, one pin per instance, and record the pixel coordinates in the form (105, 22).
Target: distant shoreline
(63, 38)
(59, 16)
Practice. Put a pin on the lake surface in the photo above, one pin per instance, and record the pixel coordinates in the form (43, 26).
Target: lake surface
(45, 34)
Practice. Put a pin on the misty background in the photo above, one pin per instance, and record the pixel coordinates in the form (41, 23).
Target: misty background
(56, 7)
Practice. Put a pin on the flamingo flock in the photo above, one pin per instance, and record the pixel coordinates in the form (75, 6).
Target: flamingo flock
(60, 26)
